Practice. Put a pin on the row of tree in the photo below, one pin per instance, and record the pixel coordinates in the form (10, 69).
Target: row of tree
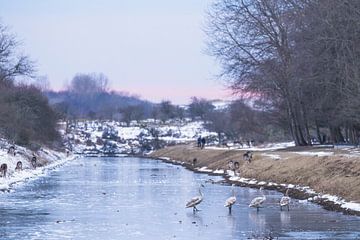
(301, 57)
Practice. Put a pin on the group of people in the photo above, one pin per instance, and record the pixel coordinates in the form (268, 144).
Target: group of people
(201, 141)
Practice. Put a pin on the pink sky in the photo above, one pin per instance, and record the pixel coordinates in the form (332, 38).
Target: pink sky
(151, 48)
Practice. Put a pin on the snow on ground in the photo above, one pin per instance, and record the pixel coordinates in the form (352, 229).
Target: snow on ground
(335, 199)
(318, 154)
(119, 138)
(264, 147)
(52, 159)
(272, 156)
(139, 137)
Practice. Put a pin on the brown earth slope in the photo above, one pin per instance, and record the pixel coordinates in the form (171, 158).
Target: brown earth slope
(330, 171)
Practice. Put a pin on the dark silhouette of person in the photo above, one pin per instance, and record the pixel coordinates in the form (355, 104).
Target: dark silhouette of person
(199, 142)
(203, 141)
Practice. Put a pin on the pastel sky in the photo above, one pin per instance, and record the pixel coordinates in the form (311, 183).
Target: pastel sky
(154, 49)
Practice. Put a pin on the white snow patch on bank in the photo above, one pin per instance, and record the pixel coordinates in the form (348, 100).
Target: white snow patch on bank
(219, 171)
(204, 169)
(48, 158)
(351, 205)
(318, 154)
(260, 148)
(335, 199)
(272, 156)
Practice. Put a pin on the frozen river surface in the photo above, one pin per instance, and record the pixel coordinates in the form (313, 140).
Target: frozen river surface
(131, 198)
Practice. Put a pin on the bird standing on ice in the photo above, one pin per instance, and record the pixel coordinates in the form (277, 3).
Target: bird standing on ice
(195, 200)
(231, 200)
(285, 200)
(258, 201)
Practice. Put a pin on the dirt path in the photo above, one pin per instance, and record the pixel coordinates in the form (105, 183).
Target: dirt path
(326, 170)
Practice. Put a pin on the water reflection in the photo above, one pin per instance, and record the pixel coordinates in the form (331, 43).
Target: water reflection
(285, 218)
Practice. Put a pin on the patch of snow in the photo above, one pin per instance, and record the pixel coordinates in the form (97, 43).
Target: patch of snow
(204, 169)
(55, 159)
(272, 156)
(351, 205)
(219, 171)
(319, 154)
(252, 181)
(230, 173)
(260, 148)
(234, 178)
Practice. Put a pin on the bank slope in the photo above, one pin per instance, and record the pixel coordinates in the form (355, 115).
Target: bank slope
(325, 175)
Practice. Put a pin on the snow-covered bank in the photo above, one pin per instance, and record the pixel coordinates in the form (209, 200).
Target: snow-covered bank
(313, 196)
(47, 159)
(329, 179)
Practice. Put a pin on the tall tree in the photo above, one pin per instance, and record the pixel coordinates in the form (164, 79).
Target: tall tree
(200, 107)
(12, 64)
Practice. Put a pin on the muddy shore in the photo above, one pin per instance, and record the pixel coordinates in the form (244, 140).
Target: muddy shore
(325, 170)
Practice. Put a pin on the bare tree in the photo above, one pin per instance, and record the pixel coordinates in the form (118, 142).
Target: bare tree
(132, 112)
(12, 64)
(200, 107)
(252, 40)
(300, 56)
(217, 121)
(92, 83)
(167, 110)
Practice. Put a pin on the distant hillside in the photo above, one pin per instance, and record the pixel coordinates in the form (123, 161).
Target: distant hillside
(97, 105)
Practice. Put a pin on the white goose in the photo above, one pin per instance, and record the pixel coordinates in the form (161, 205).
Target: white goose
(231, 200)
(258, 201)
(285, 200)
(195, 200)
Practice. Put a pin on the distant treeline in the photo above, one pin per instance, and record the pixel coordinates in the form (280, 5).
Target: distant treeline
(87, 97)
(300, 57)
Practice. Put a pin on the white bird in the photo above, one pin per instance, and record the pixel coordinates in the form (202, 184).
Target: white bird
(258, 201)
(285, 200)
(231, 200)
(195, 200)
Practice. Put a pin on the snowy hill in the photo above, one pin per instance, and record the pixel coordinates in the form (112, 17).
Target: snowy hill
(114, 138)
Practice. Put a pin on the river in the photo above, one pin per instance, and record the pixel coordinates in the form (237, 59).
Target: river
(132, 198)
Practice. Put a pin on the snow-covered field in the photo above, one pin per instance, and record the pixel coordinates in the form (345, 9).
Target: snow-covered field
(111, 137)
(95, 137)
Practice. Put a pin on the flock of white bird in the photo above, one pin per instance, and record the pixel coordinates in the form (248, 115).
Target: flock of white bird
(255, 203)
